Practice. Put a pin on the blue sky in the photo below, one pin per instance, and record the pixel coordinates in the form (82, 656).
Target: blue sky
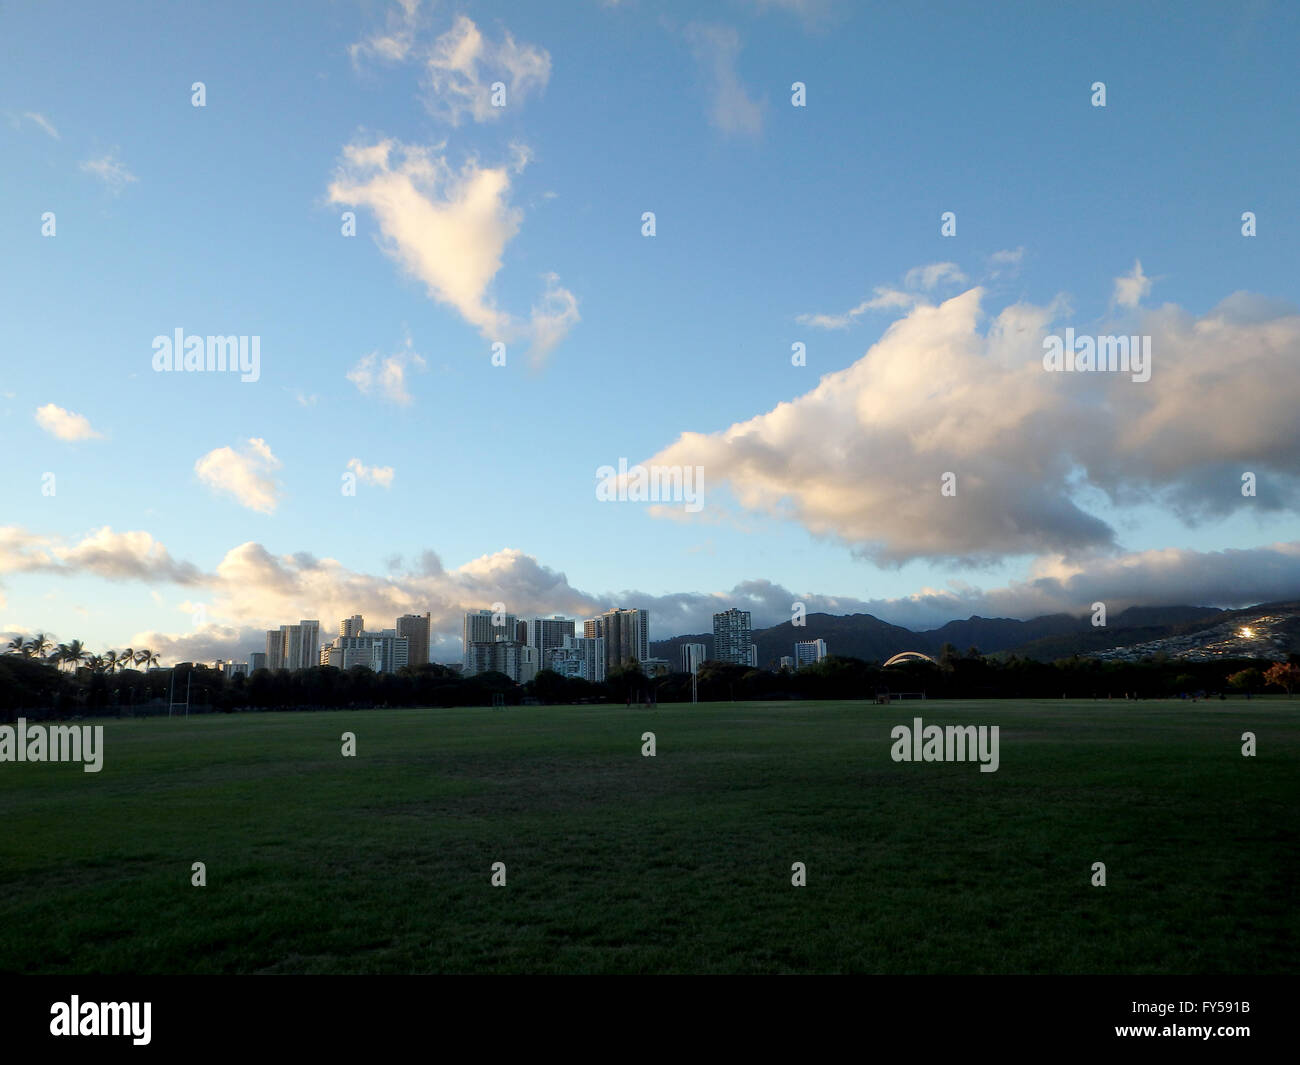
(225, 219)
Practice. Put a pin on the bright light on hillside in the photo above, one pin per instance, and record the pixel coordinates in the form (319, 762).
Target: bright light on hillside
(1248, 633)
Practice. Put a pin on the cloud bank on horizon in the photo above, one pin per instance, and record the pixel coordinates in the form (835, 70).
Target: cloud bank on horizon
(252, 590)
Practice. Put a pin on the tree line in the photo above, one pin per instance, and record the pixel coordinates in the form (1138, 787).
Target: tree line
(49, 683)
(73, 655)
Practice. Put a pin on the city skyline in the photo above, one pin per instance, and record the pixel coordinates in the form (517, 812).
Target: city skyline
(425, 282)
(298, 646)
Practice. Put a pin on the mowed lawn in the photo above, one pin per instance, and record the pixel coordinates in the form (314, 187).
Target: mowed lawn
(677, 863)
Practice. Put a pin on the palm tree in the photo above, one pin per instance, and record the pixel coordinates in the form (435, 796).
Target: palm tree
(96, 663)
(126, 659)
(17, 646)
(37, 647)
(110, 661)
(146, 658)
(74, 653)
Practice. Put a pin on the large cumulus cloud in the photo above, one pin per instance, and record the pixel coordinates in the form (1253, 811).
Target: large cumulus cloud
(860, 457)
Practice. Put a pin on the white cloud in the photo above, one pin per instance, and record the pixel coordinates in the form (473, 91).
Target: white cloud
(395, 43)
(552, 318)
(449, 229)
(716, 50)
(1131, 289)
(1007, 256)
(928, 278)
(245, 474)
(832, 321)
(380, 475)
(1234, 577)
(254, 590)
(104, 553)
(110, 170)
(887, 298)
(463, 64)
(43, 122)
(65, 425)
(386, 377)
(859, 458)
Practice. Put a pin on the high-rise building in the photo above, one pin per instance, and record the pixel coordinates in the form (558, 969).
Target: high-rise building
(732, 636)
(627, 636)
(486, 627)
(809, 652)
(692, 655)
(299, 645)
(389, 651)
(503, 656)
(310, 655)
(566, 660)
(353, 626)
(593, 628)
(593, 658)
(415, 627)
(344, 652)
(546, 634)
(753, 655)
(529, 659)
(290, 646)
(786, 663)
(274, 649)
(483, 626)
(478, 627)
(384, 652)
(256, 661)
(579, 656)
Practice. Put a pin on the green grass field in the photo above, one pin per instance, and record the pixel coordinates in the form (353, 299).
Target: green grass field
(677, 863)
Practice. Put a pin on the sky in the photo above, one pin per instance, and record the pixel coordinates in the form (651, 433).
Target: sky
(438, 390)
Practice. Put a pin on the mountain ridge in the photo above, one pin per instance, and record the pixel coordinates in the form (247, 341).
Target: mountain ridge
(1044, 638)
